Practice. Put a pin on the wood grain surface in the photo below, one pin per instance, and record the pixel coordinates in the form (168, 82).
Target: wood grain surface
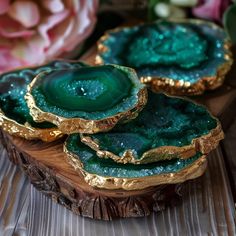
(207, 209)
(14, 197)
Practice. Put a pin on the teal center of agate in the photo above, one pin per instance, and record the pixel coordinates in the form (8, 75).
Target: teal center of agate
(85, 89)
(164, 121)
(13, 86)
(168, 47)
(89, 92)
(107, 167)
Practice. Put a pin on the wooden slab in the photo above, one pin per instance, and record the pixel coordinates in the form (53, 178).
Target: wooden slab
(207, 208)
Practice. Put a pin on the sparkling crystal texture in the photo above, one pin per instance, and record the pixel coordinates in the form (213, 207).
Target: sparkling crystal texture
(164, 121)
(165, 49)
(13, 86)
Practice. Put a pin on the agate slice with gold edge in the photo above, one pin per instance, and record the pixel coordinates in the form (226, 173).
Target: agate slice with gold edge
(181, 57)
(87, 99)
(107, 174)
(15, 117)
(167, 127)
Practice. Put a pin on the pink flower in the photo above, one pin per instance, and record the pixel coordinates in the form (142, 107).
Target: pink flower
(32, 32)
(211, 9)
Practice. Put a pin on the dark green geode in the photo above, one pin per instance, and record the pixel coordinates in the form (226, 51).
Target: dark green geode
(164, 121)
(13, 86)
(90, 93)
(186, 51)
(108, 168)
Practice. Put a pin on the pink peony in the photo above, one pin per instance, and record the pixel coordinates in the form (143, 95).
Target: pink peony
(211, 9)
(32, 32)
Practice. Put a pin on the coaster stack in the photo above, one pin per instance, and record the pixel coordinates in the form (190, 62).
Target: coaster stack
(96, 140)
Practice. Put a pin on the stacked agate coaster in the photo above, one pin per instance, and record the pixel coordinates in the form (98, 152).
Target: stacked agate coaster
(14, 112)
(167, 143)
(184, 57)
(87, 99)
(121, 137)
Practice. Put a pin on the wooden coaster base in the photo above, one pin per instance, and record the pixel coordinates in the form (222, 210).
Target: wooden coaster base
(48, 170)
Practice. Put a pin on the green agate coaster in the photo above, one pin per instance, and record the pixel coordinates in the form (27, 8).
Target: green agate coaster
(181, 57)
(105, 173)
(15, 117)
(167, 127)
(87, 99)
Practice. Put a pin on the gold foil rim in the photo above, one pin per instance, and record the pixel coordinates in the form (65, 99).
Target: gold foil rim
(193, 171)
(178, 87)
(80, 125)
(27, 131)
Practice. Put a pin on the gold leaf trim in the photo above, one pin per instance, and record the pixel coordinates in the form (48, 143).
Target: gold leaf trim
(27, 131)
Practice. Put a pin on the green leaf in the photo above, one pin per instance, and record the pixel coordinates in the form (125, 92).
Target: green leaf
(229, 20)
